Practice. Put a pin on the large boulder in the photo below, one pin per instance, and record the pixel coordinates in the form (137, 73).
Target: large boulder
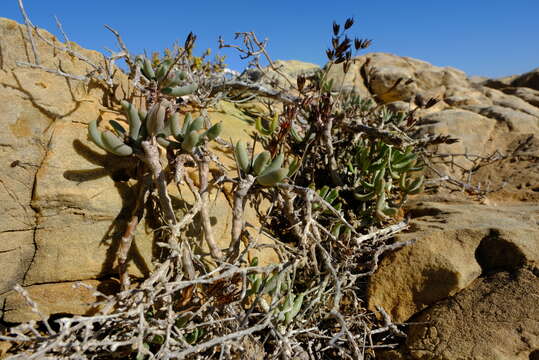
(456, 242)
(528, 80)
(457, 123)
(380, 74)
(529, 95)
(353, 80)
(496, 318)
(511, 101)
(44, 116)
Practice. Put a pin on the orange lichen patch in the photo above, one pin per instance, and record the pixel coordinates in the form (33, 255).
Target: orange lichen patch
(21, 127)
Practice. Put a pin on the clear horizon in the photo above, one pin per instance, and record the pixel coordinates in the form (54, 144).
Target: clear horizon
(492, 39)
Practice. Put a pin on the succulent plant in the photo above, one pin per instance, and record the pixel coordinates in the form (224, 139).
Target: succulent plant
(155, 119)
(170, 81)
(190, 135)
(270, 178)
(147, 68)
(375, 167)
(273, 124)
(291, 307)
(108, 141)
(262, 284)
(157, 123)
(267, 173)
(178, 91)
(276, 164)
(330, 196)
(261, 161)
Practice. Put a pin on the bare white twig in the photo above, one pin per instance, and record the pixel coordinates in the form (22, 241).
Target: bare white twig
(125, 52)
(60, 27)
(54, 71)
(382, 233)
(22, 292)
(344, 329)
(29, 27)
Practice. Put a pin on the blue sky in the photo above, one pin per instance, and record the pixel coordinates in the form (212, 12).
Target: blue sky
(481, 37)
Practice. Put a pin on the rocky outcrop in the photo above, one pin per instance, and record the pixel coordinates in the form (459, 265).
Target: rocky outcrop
(64, 210)
(379, 74)
(456, 243)
(462, 247)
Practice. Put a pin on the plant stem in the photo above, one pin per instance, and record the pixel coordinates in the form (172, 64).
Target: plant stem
(203, 171)
(238, 222)
(151, 153)
(127, 238)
